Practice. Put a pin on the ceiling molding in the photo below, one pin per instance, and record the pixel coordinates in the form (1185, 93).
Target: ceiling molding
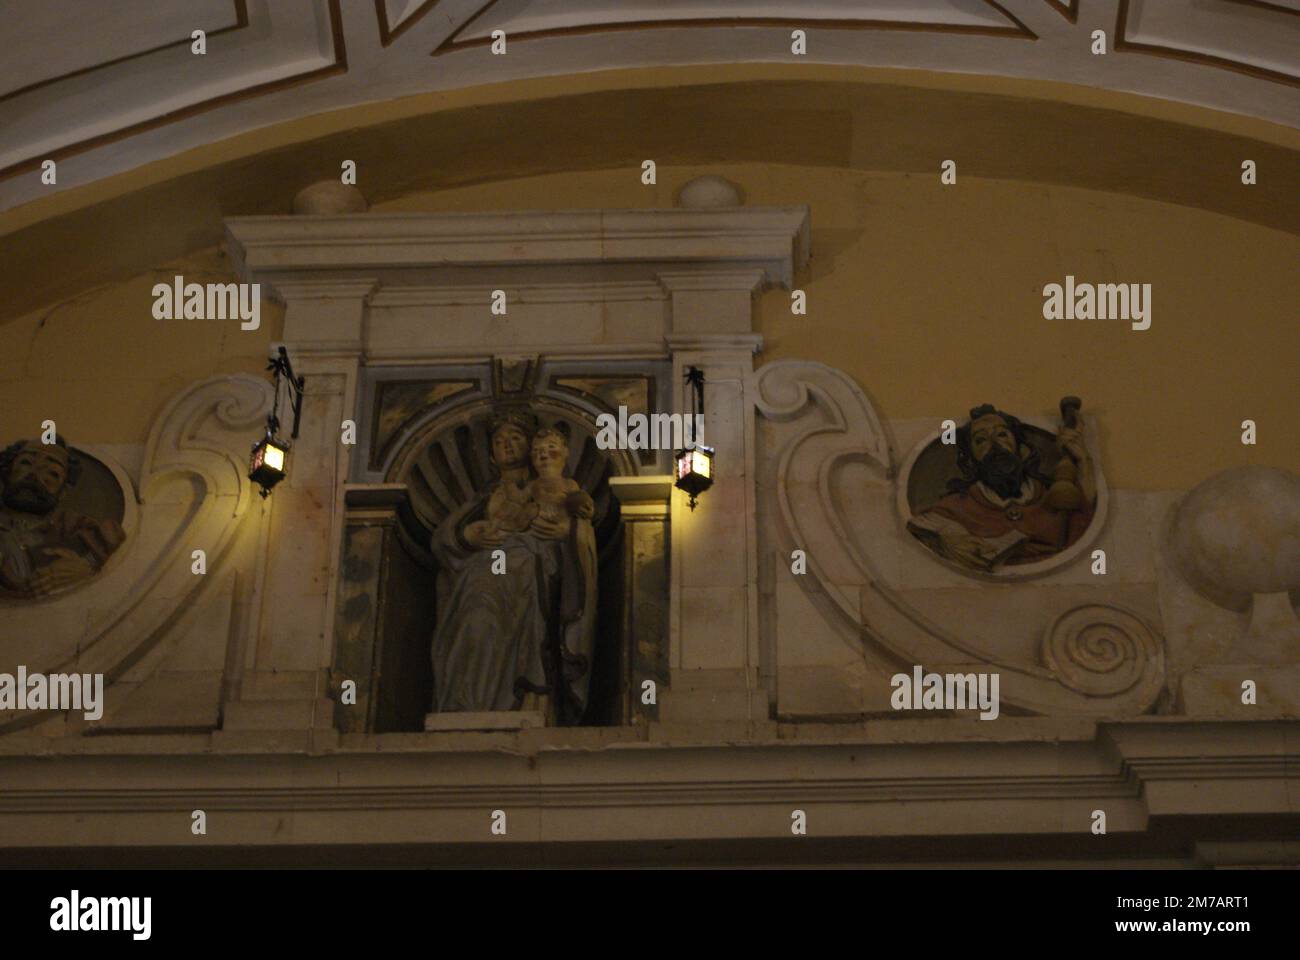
(241, 22)
(1123, 42)
(280, 63)
(1066, 8)
(1015, 29)
(388, 32)
(33, 162)
(881, 121)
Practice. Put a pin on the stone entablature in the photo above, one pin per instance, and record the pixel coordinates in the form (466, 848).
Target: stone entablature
(641, 796)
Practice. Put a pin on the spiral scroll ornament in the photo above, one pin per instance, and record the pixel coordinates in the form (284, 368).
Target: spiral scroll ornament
(246, 402)
(1102, 651)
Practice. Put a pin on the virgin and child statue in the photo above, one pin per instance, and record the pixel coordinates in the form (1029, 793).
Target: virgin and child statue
(516, 589)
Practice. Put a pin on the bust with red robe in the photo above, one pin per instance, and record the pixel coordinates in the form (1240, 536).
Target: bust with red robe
(1002, 509)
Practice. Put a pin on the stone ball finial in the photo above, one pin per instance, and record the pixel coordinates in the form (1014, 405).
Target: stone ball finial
(1236, 539)
(329, 197)
(709, 191)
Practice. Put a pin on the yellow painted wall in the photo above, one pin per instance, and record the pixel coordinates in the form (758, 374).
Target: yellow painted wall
(102, 367)
(929, 296)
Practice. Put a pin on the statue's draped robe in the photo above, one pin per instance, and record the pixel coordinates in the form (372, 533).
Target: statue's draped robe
(983, 514)
(529, 629)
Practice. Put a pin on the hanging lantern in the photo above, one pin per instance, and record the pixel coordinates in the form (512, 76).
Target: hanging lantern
(693, 472)
(269, 463)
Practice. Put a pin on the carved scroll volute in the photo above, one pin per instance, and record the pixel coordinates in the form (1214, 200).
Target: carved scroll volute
(825, 420)
(205, 432)
(1104, 651)
(194, 494)
(1096, 659)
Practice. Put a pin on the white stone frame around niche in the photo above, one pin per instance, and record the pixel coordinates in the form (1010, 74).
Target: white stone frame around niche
(1018, 572)
(413, 290)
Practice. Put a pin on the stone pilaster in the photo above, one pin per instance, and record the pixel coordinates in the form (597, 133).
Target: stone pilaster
(714, 633)
(281, 692)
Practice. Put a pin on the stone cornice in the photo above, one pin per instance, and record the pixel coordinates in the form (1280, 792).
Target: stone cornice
(746, 280)
(743, 342)
(610, 291)
(1029, 782)
(404, 248)
(307, 289)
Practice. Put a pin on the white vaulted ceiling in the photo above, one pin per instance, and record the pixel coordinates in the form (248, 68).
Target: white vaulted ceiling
(105, 87)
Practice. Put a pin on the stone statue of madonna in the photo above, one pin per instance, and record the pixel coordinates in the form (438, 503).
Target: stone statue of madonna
(516, 599)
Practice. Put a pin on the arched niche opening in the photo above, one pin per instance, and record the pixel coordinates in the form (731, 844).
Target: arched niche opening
(440, 472)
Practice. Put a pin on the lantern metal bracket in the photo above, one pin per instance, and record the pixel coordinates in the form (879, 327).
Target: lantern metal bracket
(284, 369)
(695, 378)
(266, 471)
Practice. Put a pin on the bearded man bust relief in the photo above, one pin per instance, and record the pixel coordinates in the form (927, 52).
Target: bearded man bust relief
(46, 546)
(1004, 507)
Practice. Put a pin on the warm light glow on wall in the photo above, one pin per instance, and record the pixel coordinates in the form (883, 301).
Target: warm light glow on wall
(693, 470)
(268, 464)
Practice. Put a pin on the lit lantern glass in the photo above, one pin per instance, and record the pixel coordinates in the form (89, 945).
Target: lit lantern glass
(695, 472)
(267, 466)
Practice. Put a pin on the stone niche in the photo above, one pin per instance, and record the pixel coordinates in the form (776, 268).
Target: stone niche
(415, 328)
(424, 451)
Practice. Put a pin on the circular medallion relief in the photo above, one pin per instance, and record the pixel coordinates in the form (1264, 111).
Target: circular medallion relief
(1005, 498)
(63, 516)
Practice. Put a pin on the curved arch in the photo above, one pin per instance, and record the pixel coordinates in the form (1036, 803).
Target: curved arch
(879, 119)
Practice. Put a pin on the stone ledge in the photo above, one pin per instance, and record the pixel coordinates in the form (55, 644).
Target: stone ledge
(489, 720)
(1155, 734)
(1141, 774)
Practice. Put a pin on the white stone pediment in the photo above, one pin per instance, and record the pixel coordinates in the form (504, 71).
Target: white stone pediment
(406, 248)
(402, 288)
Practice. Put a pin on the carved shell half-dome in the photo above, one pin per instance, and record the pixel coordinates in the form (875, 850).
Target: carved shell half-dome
(448, 462)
